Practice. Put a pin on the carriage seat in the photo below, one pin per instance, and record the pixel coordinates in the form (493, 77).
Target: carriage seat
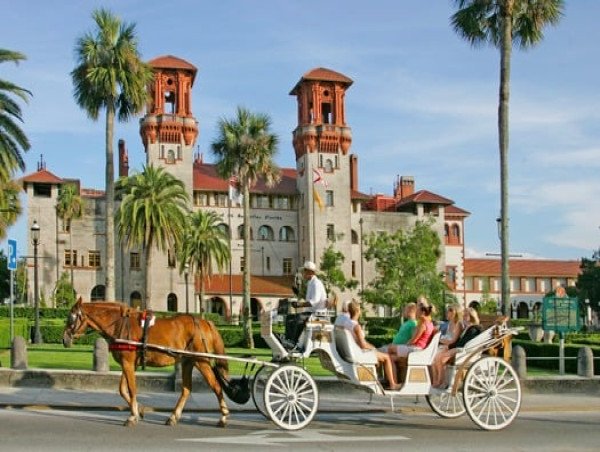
(425, 356)
(349, 350)
(479, 343)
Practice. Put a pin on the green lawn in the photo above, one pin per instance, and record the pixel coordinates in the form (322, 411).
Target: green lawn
(80, 357)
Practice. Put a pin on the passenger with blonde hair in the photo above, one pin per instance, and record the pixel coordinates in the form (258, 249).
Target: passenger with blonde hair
(448, 352)
(454, 316)
(359, 337)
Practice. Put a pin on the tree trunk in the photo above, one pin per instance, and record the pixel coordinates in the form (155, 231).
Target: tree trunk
(110, 206)
(503, 134)
(71, 251)
(247, 314)
(147, 303)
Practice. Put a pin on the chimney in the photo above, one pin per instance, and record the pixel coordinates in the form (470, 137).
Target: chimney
(404, 186)
(123, 160)
(354, 172)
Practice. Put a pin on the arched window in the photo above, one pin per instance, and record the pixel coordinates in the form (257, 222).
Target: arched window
(328, 166)
(225, 229)
(456, 231)
(135, 299)
(241, 232)
(354, 237)
(172, 302)
(170, 156)
(286, 234)
(98, 293)
(265, 233)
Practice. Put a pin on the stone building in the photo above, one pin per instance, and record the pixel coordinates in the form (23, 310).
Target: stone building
(317, 201)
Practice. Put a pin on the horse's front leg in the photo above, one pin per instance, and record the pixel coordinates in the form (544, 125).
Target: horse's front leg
(187, 367)
(124, 391)
(127, 388)
(211, 380)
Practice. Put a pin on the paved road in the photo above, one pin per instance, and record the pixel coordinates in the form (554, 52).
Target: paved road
(60, 430)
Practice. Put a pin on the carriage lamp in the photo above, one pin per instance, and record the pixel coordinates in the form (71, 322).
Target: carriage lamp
(35, 239)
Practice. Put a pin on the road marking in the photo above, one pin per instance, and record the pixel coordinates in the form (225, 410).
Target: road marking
(279, 437)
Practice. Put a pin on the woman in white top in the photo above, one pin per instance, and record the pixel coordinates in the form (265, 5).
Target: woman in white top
(359, 337)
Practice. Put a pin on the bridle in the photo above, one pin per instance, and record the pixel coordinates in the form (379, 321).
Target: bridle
(75, 321)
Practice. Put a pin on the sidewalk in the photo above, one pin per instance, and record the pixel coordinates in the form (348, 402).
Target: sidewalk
(203, 400)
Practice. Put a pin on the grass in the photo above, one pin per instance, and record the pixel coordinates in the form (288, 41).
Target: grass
(80, 357)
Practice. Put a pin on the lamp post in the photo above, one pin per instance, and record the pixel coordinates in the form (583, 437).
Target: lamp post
(35, 238)
(187, 293)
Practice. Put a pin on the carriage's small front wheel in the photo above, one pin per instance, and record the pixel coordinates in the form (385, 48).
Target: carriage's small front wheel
(291, 397)
(258, 388)
(492, 393)
(447, 405)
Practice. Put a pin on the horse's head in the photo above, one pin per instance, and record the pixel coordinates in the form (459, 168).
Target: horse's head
(77, 323)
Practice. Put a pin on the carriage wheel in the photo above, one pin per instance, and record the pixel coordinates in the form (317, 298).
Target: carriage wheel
(447, 405)
(258, 388)
(291, 397)
(492, 393)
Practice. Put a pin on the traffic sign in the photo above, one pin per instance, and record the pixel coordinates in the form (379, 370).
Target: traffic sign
(12, 254)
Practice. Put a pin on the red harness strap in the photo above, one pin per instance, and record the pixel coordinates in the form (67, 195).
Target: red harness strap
(117, 347)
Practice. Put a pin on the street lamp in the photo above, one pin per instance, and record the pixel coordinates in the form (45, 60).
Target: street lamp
(187, 293)
(35, 238)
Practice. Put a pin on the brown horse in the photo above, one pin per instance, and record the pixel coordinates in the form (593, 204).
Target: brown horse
(182, 332)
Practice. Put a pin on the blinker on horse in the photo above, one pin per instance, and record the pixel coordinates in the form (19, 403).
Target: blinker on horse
(115, 321)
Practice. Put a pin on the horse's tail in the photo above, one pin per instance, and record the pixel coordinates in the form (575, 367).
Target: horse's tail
(238, 391)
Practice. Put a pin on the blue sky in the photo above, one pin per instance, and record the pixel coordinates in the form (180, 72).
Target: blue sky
(423, 102)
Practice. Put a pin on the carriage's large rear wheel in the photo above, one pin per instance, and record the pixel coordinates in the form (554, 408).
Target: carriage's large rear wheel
(492, 393)
(291, 397)
(447, 405)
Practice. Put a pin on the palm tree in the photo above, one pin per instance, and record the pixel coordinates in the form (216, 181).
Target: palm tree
(12, 138)
(501, 23)
(69, 207)
(10, 205)
(245, 149)
(152, 214)
(204, 244)
(110, 75)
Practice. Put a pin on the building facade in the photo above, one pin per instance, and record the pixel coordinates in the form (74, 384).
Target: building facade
(316, 203)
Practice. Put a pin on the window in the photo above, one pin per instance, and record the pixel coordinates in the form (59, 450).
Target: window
(242, 264)
(94, 258)
(171, 258)
(98, 293)
(287, 266)
(330, 232)
(286, 234)
(328, 166)
(262, 202)
(224, 229)
(354, 269)
(268, 263)
(265, 233)
(200, 199)
(329, 198)
(221, 199)
(70, 258)
(170, 156)
(241, 232)
(354, 237)
(134, 261)
(42, 190)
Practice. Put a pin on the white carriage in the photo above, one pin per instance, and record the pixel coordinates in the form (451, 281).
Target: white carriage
(486, 387)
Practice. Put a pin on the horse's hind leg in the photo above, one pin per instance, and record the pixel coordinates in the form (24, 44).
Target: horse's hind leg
(187, 367)
(211, 380)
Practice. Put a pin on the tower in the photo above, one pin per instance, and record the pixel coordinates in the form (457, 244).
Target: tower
(169, 131)
(324, 170)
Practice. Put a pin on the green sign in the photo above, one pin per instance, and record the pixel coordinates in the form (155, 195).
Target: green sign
(560, 314)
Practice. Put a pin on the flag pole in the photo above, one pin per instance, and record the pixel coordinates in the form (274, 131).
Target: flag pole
(314, 233)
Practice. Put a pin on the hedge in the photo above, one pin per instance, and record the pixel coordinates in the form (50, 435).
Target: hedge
(542, 350)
